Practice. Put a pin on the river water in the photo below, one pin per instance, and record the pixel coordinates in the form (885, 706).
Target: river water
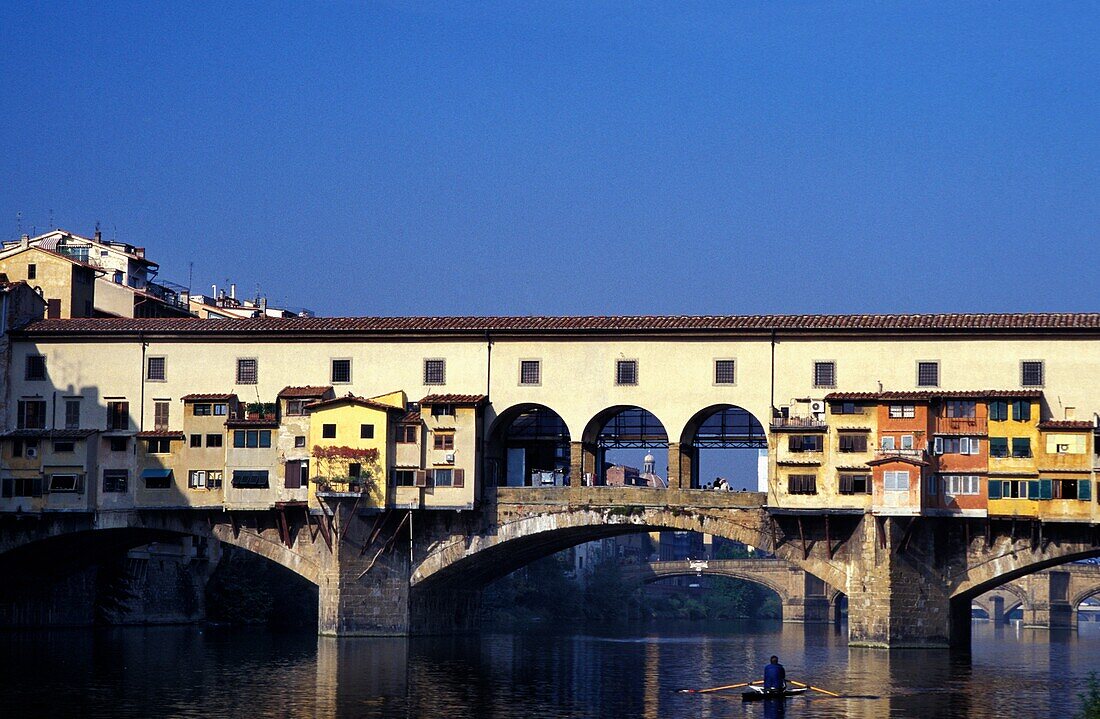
(631, 671)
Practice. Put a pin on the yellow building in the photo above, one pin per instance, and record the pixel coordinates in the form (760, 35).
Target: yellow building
(1065, 470)
(453, 434)
(51, 470)
(852, 431)
(1013, 428)
(67, 284)
(351, 445)
(799, 447)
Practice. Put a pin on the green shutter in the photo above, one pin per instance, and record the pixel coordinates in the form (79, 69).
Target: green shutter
(1033, 489)
(994, 489)
(1084, 489)
(1046, 488)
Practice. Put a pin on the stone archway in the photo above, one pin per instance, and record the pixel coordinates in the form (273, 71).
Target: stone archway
(717, 427)
(528, 440)
(618, 427)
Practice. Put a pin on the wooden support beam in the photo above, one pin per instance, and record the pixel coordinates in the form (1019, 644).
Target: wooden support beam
(966, 534)
(906, 536)
(802, 536)
(828, 537)
(284, 527)
(379, 523)
(234, 525)
(880, 531)
(988, 533)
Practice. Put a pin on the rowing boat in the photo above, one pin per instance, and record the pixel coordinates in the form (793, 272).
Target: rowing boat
(757, 693)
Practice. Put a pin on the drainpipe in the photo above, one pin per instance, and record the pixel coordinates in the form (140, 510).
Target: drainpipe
(488, 400)
(141, 414)
(772, 398)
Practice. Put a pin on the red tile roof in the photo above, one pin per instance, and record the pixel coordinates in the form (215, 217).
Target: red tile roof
(160, 434)
(454, 399)
(1066, 424)
(742, 324)
(48, 433)
(411, 417)
(213, 397)
(304, 392)
(265, 423)
(349, 398)
(924, 396)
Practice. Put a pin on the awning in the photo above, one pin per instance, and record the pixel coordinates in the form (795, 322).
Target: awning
(156, 473)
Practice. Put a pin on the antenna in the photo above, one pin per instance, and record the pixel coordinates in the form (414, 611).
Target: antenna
(19, 222)
(50, 213)
(190, 272)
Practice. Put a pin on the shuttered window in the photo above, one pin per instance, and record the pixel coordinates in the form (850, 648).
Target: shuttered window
(160, 414)
(855, 483)
(853, 442)
(35, 368)
(72, 414)
(118, 415)
(802, 484)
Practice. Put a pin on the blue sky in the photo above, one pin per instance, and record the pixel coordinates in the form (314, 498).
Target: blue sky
(580, 158)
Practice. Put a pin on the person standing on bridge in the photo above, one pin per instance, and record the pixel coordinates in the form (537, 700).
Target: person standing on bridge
(775, 676)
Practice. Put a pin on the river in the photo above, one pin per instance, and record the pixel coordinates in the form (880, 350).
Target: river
(629, 671)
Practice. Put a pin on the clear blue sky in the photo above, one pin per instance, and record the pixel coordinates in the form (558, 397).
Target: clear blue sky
(591, 158)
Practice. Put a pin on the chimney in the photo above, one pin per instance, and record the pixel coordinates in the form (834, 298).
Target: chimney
(233, 291)
(25, 241)
(98, 235)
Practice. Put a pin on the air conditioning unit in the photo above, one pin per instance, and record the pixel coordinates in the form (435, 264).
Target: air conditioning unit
(32, 452)
(817, 407)
(449, 458)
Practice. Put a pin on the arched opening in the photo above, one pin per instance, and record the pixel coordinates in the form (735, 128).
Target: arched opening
(724, 446)
(529, 446)
(626, 446)
(977, 612)
(1088, 610)
(840, 608)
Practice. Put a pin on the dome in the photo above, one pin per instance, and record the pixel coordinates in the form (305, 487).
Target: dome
(648, 458)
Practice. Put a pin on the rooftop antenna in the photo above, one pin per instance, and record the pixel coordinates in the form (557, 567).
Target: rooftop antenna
(50, 223)
(190, 272)
(19, 222)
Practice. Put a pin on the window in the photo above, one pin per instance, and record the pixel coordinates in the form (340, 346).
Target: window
(117, 276)
(354, 470)
(251, 438)
(435, 371)
(328, 431)
(956, 445)
(213, 440)
(960, 408)
(1021, 411)
(221, 410)
(296, 407)
(35, 368)
(115, 480)
(53, 308)
(156, 369)
(888, 444)
(72, 483)
(998, 411)
(725, 371)
(64, 446)
(201, 410)
(213, 479)
(928, 374)
(118, 416)
(443, 410)
(1072, 489)
(159, 445)
(32, 271)
(530, 372)
(296, 473)
(443, 477)
(1031, 373)
(72, 414)
(366, 431)
(801, 484)
(626, 372)
(855, 484)
(247, 371)
(932, 487)
(998, 446)
(845, 408)
(157, 478)
(1011, 489)
(906, 441)
(895, 481)
(17, 448)
(444, 441)
(160, 414)
(902, 411)
(22, 487)
(299, 442)
(961, 484)
(196, 479)
(250, 479)
(341, 371)
(1021, 447)
(825, 374)
(406, 433)
(32, 414)
(404, 477)
(853, 442)
(805, 443)
(119, 444)
(196, 440)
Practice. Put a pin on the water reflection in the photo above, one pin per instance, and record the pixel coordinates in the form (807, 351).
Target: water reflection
(621, 672)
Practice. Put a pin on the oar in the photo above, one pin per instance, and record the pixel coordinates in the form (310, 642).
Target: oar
(718, 689)
(816, 689)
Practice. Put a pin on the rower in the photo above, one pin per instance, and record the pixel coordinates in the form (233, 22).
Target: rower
(775, 676)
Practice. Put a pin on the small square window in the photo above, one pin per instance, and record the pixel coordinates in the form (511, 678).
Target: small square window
(445, 442)
(530, 372)
(725, 371)
(118, 444)
(341, 371)
(201, 410)
(196, 440)
(406, 434)
(626, 372)
(928, 374)
(435, 371)
(366, 431)
(213, 440)
(32, 271)
(35, 368)
(328, 431)
(1031, 373)
(825, 374)
(157, 370)
(64, 446)
(247, 370)
(299, 442)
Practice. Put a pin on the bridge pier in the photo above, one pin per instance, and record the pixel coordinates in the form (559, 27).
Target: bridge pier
(681, 465)
(891, 602)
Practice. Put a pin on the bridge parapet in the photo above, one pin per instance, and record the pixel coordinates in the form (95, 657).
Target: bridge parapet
(626, 496)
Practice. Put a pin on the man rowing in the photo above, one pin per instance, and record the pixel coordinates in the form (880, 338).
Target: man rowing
(775, 676)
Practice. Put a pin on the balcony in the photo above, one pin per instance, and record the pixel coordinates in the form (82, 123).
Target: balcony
(795, 424)
(961, 425)
(917, 454)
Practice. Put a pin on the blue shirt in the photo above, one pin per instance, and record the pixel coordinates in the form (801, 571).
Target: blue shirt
(775, 676)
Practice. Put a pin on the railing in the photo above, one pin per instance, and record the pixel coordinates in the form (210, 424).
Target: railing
(900, 453)
(798, 423)
(961, 425)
